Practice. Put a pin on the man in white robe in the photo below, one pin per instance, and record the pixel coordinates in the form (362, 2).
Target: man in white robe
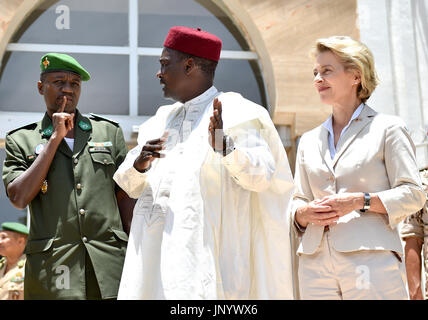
(212, 216)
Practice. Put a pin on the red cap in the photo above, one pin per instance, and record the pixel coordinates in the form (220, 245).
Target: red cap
(194, 41)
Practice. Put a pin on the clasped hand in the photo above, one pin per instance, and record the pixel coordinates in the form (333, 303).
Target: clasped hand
(328, 210)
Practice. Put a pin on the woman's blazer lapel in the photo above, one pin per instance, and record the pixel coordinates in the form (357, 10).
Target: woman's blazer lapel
(358, 124)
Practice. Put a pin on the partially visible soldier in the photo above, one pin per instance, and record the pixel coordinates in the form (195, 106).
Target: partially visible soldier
(13, 239)
(414, 232)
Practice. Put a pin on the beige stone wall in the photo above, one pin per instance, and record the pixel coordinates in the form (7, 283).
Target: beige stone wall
(13, 13)
(282, 32)
(288, 29)
(8, 9)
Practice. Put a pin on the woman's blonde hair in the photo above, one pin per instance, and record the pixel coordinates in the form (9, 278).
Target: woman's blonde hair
(354, 55)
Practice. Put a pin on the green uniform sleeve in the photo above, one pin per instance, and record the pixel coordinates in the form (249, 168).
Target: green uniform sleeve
(14, 164)
(121, 149)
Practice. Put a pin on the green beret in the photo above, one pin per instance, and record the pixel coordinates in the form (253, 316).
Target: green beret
(14, 226)
(62, 62)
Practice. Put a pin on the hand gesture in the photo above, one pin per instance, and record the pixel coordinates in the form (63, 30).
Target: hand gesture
(216, 127)
(62, 122)
(150, 152)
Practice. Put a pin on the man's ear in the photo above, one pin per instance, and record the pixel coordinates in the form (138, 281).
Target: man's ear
(40, 87)
(21, 240)
(189, 65)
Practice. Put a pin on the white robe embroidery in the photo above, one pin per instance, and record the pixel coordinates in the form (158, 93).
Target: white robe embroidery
(207, 226)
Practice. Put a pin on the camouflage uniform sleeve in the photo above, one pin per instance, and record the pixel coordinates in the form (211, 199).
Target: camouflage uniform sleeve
(121, 148)
(15, 163)
(413, 225)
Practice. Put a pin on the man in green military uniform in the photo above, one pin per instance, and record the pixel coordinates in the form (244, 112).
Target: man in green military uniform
(13, 238)
(62, 167)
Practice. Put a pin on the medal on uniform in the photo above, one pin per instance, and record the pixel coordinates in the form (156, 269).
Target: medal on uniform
(44, 187)
(19, 277)
(39, 148)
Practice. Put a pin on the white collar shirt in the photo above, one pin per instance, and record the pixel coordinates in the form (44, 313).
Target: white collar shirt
(328, 124)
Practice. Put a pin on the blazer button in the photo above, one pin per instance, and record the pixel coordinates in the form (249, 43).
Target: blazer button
(75, 160)
(78, 186)
(84, 239)
(82, 211)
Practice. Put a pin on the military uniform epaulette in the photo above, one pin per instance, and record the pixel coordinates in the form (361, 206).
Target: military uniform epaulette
(97, 117)
(27, 126)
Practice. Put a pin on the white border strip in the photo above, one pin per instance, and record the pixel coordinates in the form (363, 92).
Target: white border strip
(152, 52)
(30, 47)
(238, 55)
(133, 58)
(142, 51)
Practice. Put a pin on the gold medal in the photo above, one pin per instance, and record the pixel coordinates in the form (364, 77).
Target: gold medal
(44, 187)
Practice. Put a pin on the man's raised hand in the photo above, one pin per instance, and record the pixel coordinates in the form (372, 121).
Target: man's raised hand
(62, 121)
(216, 127)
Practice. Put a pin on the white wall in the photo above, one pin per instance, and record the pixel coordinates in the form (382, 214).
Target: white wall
(397, 34)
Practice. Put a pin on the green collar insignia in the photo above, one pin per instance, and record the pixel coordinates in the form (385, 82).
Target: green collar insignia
(84, 125)
(21, 263)
(2, 262)
(48, 131)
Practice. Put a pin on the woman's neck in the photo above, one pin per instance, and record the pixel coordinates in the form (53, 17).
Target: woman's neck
(342, 112)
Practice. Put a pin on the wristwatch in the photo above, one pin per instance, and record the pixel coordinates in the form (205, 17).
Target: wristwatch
(228, 146)
(366, 202)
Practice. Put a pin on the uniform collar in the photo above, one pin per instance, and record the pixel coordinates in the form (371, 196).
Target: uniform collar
(82, 124)
(19, 263)
(82, 133)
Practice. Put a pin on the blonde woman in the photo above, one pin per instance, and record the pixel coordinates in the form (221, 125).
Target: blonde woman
(356, 179)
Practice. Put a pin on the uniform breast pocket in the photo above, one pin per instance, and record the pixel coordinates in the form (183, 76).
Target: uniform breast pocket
(101, 157)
